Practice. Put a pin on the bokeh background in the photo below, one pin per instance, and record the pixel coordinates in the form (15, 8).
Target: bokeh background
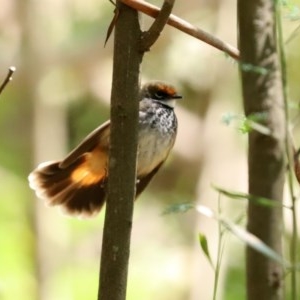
(61, 92)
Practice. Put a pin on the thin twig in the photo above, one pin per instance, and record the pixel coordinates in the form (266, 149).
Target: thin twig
(149, 37)
(185, 27)
(112, 25)
(292, 160)
(7, 79)
(113, 22)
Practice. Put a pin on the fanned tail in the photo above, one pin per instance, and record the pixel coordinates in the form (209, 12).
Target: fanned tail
(79, 188)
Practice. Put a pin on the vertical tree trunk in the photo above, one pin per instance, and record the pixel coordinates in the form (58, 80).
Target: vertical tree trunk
(122, 165)
(262, 92)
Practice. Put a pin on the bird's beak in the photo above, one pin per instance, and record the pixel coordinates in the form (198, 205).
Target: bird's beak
(177, 96)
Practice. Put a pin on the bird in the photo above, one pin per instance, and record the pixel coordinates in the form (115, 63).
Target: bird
(78, 183)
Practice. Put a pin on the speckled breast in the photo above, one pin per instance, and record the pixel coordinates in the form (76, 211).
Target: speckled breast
(157, 133)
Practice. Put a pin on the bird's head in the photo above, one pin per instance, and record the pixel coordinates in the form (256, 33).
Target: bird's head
(161, 92)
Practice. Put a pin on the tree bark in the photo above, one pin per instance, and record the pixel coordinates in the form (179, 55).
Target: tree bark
(262, 93)
(122, 164)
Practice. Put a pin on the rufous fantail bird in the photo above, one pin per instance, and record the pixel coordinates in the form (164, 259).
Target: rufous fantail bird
(78, 182)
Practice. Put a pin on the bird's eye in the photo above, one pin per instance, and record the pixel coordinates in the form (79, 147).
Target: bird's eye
(160, 95)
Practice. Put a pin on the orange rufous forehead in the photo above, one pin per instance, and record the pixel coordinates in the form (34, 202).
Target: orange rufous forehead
(168, 89)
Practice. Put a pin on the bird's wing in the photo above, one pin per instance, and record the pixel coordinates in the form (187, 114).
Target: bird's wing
(98, 137)
(144, 181)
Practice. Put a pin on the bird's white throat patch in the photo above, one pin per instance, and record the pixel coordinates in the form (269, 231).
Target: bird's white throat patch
(170, 103)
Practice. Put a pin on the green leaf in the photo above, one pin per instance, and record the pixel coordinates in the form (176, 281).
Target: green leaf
(255, 122)
(257, 127)
(254, 242)
(178, 208)
(255, 199)
(245, 236)
(228, 117)
(204, 246)
(293, 12)
(247, 124)
(255, 69)
(245, 127)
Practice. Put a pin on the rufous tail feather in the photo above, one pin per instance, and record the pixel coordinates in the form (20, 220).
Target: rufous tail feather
(79, 188)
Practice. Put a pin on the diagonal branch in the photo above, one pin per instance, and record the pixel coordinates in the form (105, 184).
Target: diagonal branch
(149, 37)
(174, 21)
